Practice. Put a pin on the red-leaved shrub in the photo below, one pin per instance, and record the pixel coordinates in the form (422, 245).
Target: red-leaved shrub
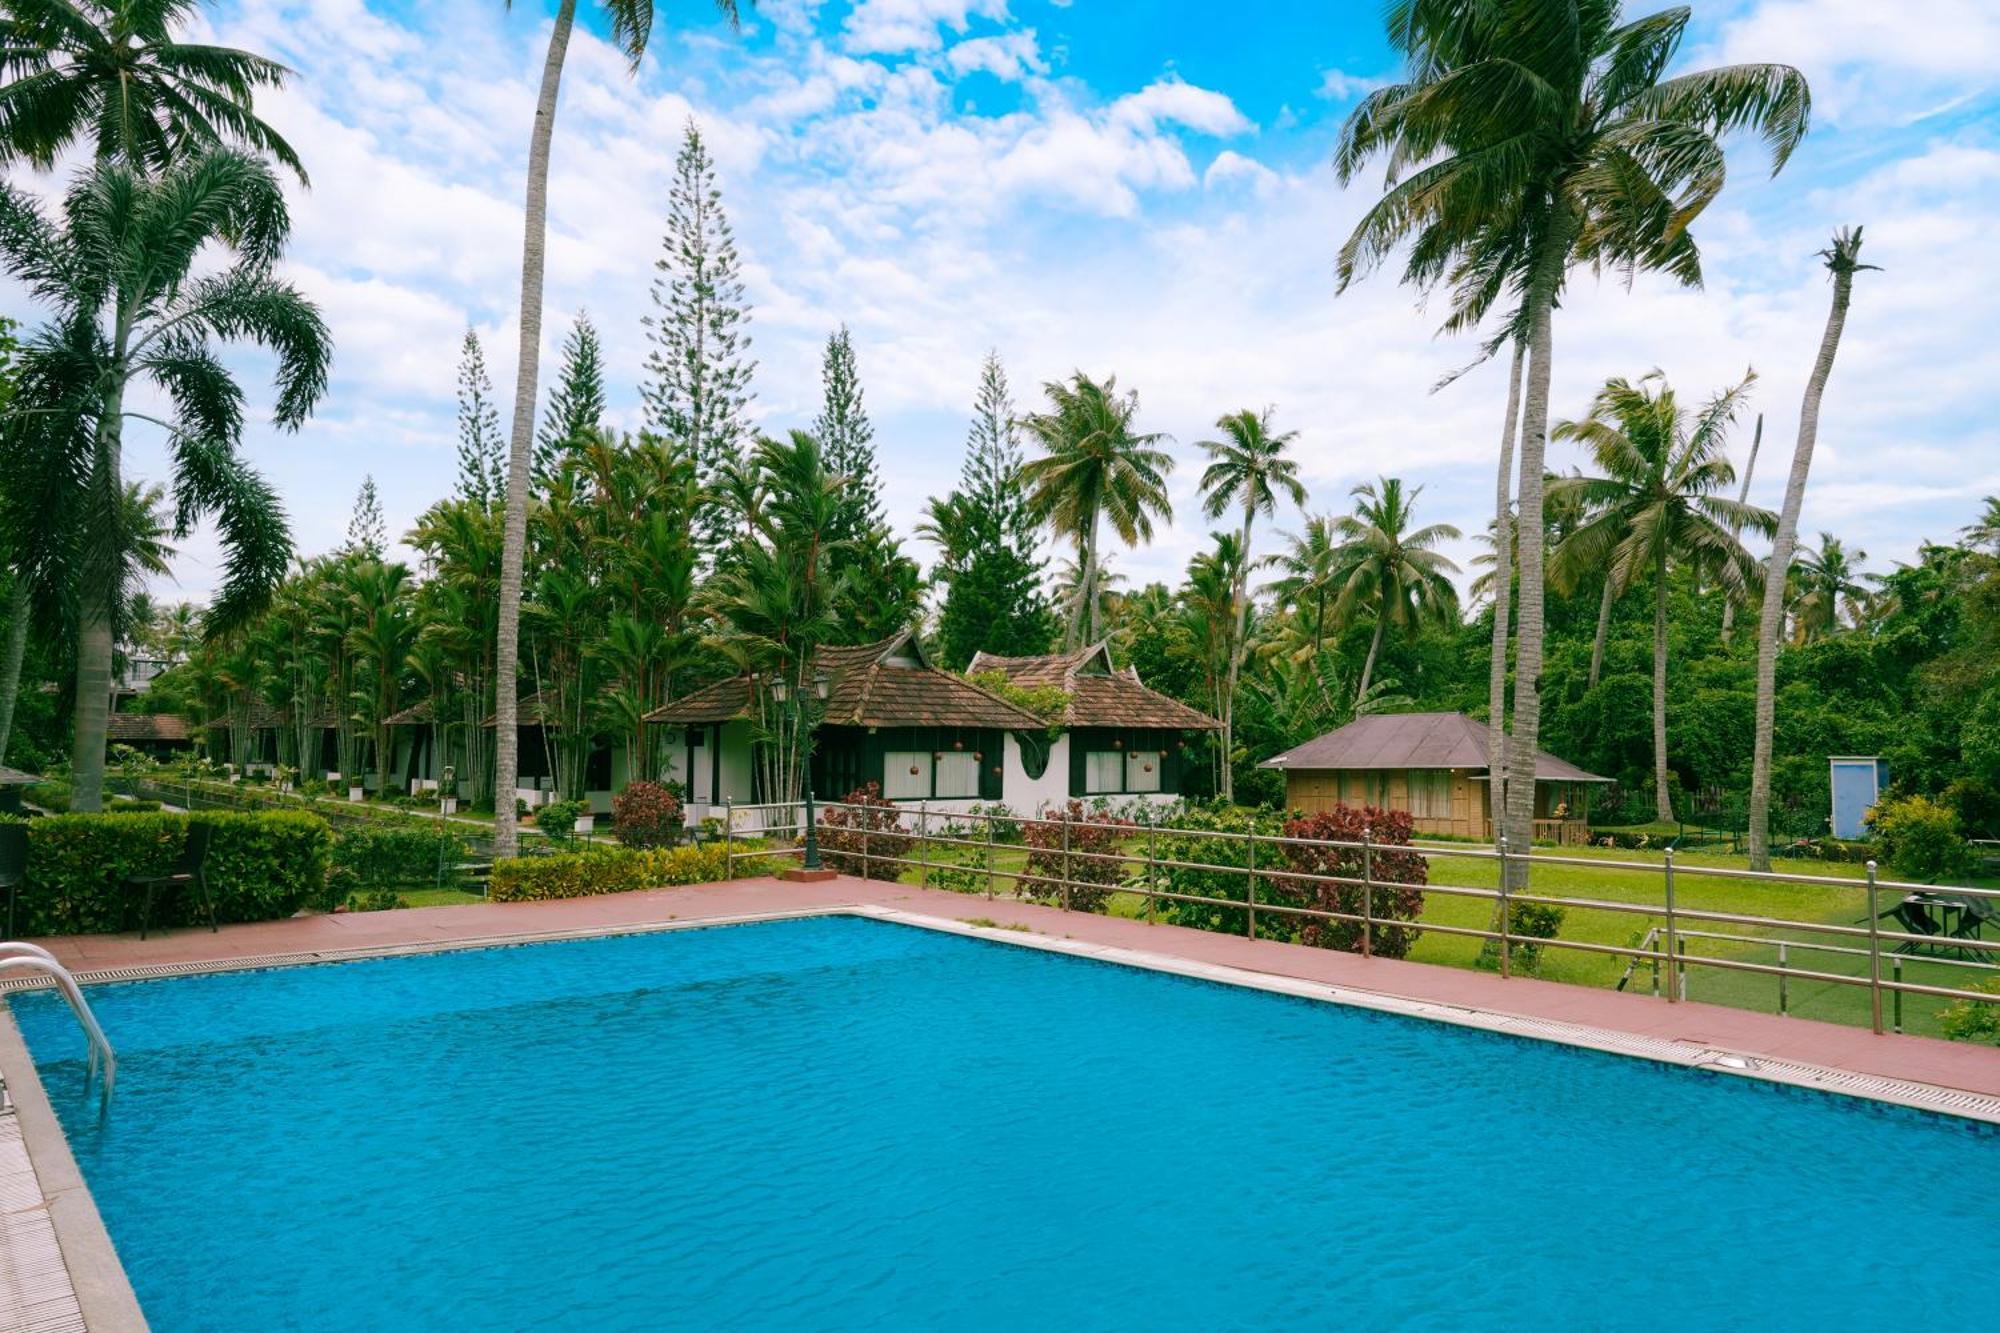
(1072, 827)
(1398, 877)
(646, 814)
(866, 827)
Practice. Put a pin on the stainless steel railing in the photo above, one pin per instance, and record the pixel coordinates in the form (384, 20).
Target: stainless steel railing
(913, 828)
(19, 956)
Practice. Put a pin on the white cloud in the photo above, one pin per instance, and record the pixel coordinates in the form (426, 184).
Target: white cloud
(1012, 56)
(1337, 85)
(1172, 102)
(1870, 62)
(1232, 168)
(891, 27)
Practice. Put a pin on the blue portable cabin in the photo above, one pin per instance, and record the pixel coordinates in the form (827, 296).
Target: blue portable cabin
(1857, 782)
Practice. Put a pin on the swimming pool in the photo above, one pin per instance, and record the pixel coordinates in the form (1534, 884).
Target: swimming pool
(837, 1123)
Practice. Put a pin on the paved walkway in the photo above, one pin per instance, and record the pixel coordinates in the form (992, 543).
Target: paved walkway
(1766, 1036)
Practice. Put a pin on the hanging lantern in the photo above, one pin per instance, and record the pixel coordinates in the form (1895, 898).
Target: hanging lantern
(979, 757)
(915, 772)
(958, 745)
(1148, 768)
(1118, 745)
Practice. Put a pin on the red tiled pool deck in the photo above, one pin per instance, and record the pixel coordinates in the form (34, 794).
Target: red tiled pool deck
(1642, 1019)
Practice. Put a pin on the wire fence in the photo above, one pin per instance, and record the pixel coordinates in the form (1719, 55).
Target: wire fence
(1936, 949)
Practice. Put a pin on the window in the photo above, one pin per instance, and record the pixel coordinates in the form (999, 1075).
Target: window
(1142, 771)
(957, 775)
(1430, 793)
(906, 775)
(1103, 772)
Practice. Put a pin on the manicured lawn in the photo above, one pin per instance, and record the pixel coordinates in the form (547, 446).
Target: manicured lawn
(1842, 904)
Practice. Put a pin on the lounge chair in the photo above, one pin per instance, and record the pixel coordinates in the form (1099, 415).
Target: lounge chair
(13, 866)
(1914, 916)
(191, 868)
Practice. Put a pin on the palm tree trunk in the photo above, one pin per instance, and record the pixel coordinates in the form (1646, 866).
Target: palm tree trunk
(1374, 647)
(1604, 602)
(1503, 584)
(1663, 806)
(1525, 742)
(1736, 529)
(1771, 614)
(1236, 647)
(10, 667)
(514, 538)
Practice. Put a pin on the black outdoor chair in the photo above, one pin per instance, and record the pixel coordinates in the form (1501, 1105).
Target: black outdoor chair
(1915, 918)
(13, 866)
(190, 869)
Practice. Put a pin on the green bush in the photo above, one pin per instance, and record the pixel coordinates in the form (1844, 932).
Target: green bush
(558, 818)
(586, 874)
(50, 796)
(375, 857)
(261, 867)
(1919, 839)
(1974, 1020)
(133, 807)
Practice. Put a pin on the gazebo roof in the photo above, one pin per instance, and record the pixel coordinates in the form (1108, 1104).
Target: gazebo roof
(1414, 740)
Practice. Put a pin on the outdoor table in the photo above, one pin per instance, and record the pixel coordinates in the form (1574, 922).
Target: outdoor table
(12, 780)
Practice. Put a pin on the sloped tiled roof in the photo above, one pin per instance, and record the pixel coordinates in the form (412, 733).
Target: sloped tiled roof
(1414, 740)
(885, 684)
(417, 714)
(263, 717)
(130, 727)
(1100, 695)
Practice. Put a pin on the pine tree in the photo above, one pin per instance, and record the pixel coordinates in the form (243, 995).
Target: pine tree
(576, 405)
(698, 373)
(993, 578)
(482, 466)
(848, 441)
(367, 532)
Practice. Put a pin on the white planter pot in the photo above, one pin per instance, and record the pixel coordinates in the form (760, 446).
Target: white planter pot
(585, 823)
(450, 805)
(357, 794)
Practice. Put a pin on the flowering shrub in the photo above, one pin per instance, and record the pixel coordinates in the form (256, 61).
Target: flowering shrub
(1066, 844)
(646, 814)
(856, 836)
(604, 870)
(1397, 877)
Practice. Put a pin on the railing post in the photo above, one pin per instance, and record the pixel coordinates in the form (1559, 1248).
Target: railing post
(729, 839)
(1875, 957)
(1896, 1000)
(1784, 997)
(1152, 869)
(1065, 860)
(923, 844)
(1250, 862)
(1673, 937)
(989, 858)
(1653, 941)
(1506, 915)
(1367, 893)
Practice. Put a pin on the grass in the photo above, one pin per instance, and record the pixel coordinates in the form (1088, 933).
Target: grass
(1843, 904)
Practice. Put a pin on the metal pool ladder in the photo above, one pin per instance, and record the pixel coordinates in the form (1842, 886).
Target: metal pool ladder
(16, 956)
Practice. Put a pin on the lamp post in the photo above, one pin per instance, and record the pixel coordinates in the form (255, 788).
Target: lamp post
(782, 691)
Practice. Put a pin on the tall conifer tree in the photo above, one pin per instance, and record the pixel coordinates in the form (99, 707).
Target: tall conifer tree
(697, 387)
(576, 406)
(847, 440)
(367, 531)
(482, 466)
(988, 539)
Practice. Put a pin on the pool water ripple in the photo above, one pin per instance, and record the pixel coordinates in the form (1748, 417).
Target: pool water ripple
(842, 1124)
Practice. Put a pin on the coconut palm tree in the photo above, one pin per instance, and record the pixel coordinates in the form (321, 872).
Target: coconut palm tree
(1502, 582)
(1829, 581)
(128, 312)
(1660, 502)
(1528, 136)
(112, 72)
(1843, 261)
(1094, 467)
(631, 28)
(1394, 572)
(1248, 469)
(1986, 531)
(1312, 562)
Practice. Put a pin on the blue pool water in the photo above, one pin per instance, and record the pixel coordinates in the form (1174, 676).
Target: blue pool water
(841, 1124)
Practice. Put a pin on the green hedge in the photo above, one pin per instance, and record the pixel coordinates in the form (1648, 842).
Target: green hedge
(603, 870)
(261, 867)
(369, 859)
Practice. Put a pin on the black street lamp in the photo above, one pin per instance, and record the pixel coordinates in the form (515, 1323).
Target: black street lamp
(781, 690)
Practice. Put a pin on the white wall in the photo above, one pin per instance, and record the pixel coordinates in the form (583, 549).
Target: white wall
(1030, 796)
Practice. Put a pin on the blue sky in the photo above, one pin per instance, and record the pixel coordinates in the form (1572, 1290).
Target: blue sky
(1136, 187)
